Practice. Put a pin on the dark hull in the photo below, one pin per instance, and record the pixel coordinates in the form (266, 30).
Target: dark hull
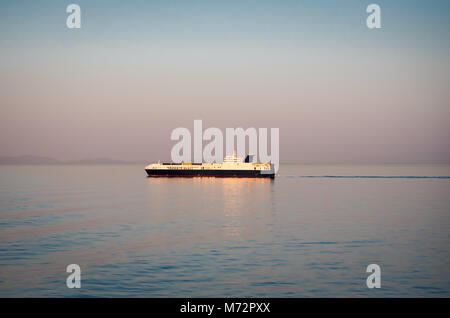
(208, 173)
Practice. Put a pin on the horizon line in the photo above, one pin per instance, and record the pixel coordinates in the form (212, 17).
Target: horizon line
(44, 160)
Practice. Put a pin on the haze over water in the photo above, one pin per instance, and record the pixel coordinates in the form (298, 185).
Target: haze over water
(301, 234)
(116, 88)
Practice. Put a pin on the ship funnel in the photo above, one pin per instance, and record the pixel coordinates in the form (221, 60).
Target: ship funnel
(249, 158)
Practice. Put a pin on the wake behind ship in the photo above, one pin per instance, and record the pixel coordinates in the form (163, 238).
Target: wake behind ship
(232, 166)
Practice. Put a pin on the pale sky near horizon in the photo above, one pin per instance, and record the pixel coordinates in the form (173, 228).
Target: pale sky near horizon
(136, 70)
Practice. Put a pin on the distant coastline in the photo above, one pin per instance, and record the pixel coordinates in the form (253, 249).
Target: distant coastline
(42, 160)
(39, 160)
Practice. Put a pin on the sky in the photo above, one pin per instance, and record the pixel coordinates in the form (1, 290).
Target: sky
(338, 91)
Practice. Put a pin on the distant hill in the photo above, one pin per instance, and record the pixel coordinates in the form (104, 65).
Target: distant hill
(27, 159)
(37, 160)
(98, 161)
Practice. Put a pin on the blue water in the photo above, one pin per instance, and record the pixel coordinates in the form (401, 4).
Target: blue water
(311, 232)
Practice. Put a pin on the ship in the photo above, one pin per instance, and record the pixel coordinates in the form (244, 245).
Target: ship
(232, 167)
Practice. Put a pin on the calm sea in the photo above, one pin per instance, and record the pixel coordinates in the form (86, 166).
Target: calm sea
(310, 232)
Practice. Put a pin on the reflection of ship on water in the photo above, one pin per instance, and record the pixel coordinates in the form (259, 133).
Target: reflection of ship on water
(232, 166)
